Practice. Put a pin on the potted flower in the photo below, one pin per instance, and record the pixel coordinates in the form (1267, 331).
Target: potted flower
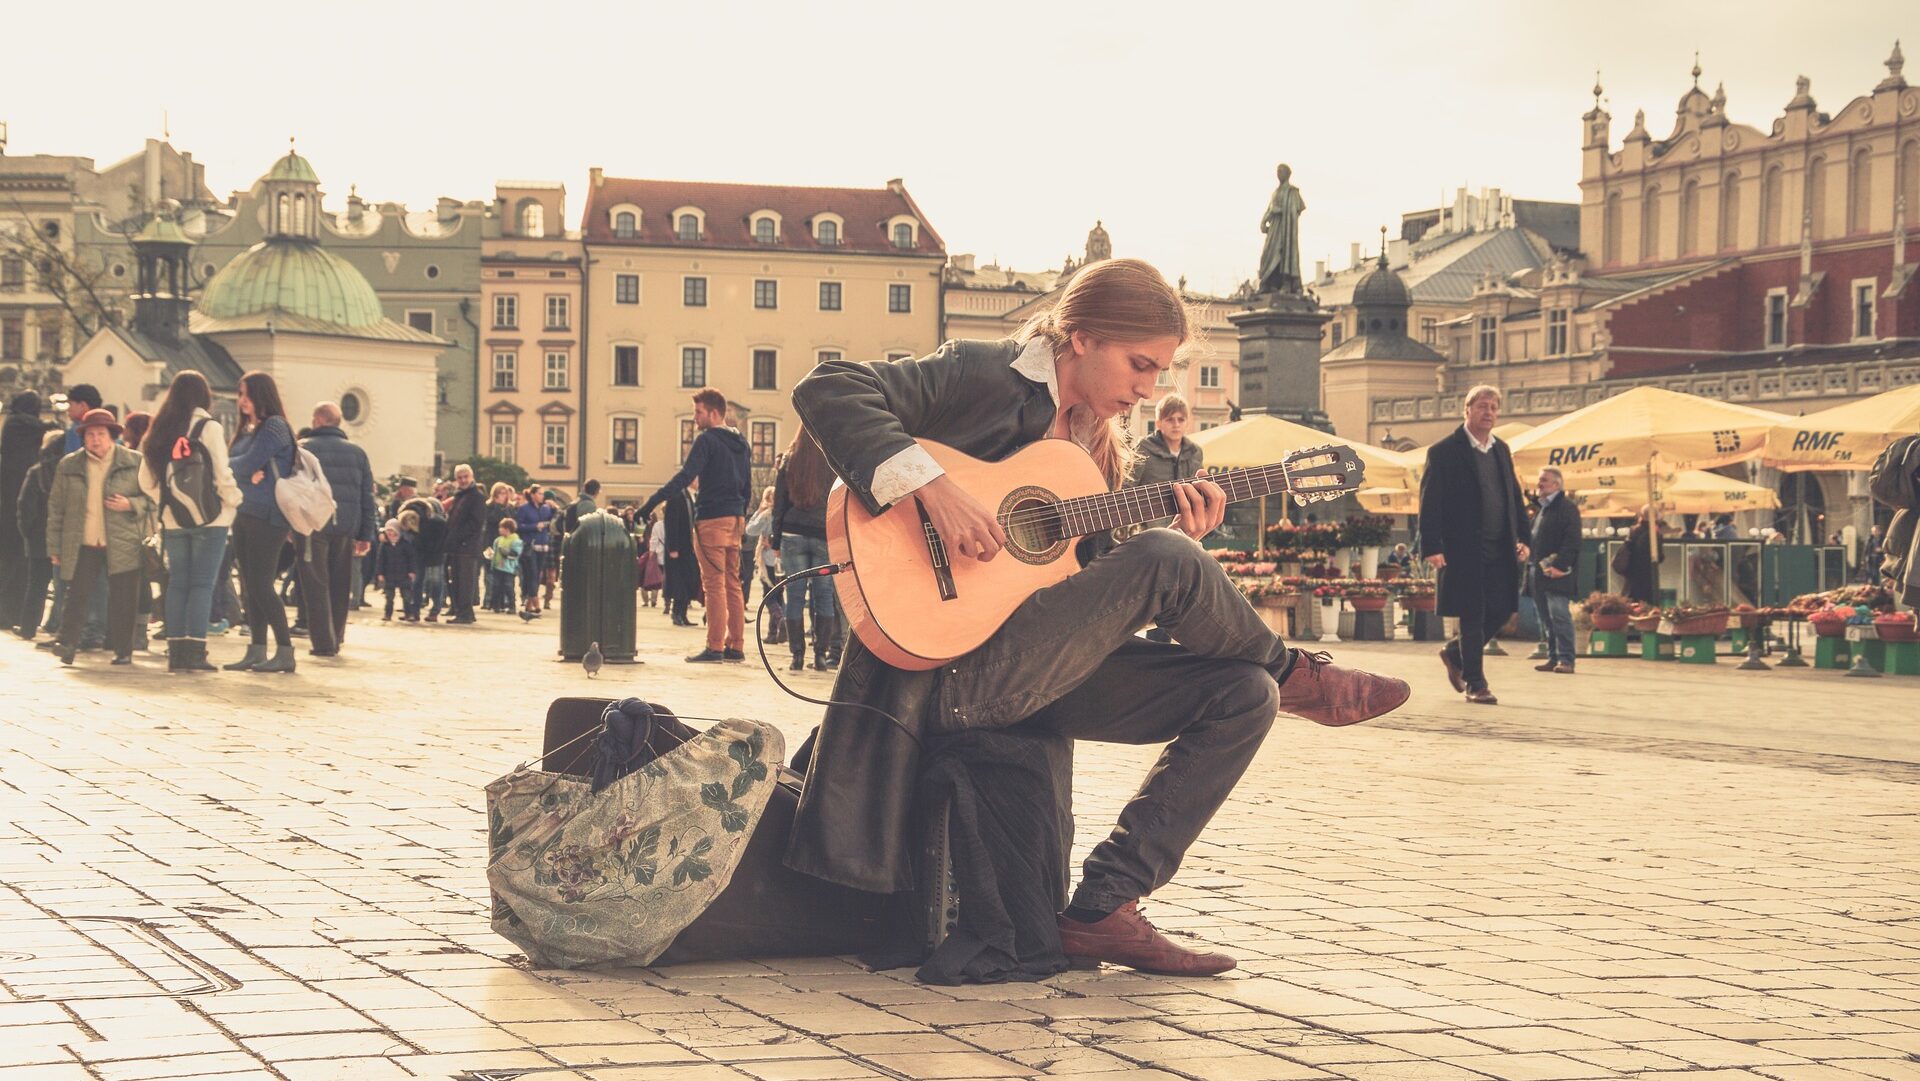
(1609, 611)
(1644, 619)
(1830, 622)
(1896, 627)
(1367, 533)
(1687, 619)
(1366, 595)
(1417, 594)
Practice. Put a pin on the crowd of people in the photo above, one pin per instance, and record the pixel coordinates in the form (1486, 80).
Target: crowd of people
(110, 525)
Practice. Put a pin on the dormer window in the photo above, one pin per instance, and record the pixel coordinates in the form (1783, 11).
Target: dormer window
(763, 231)
(903, 236)
(688, 227)
(829, 234)
(533, 220)
(625, 225)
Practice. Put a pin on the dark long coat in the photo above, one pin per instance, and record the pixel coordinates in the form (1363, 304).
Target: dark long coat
(1639, 576)
(20, 436)
(1450, 523)
(852, 826)
(683, 570)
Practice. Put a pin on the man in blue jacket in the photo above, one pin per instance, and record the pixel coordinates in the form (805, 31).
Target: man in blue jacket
(326, 563)
(721, 462)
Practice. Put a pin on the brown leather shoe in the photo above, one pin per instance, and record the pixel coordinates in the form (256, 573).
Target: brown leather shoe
(1326, 693)
(1455, 675)
(1482, 698)
(1547, 667)
(1563, 668)
(1126, 938)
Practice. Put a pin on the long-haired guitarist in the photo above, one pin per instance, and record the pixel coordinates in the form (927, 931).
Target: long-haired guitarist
(1068, 658)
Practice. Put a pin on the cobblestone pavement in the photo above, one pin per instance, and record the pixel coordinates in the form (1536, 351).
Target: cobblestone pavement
(1642, 870)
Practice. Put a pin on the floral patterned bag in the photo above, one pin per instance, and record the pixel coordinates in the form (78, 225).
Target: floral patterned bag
(581, 878)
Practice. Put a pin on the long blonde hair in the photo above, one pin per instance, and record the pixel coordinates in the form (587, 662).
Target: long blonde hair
(1114, 300)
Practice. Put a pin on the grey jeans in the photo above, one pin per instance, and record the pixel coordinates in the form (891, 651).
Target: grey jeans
(1068, 660)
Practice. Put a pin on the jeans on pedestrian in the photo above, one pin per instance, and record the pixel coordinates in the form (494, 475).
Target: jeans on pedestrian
(256, 544)
(325, 568)
(717, 543)
(194, 558)
(431, 585)
(500, 591)
(1556, 623)
(797, 553)
(90, 568)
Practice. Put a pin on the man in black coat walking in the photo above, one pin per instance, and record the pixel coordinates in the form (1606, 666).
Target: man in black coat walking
(326, 563)
(1471, 525)
(466, 536)
(1556, 555)
(20, 437)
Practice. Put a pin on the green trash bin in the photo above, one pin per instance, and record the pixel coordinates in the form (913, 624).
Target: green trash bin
(597, 589)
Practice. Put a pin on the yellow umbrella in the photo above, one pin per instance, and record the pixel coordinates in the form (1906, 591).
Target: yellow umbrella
(1846, 436)
(1628, 431)
(1511, 429)
(1689, 491)
(1263, 440)
(1389, 500)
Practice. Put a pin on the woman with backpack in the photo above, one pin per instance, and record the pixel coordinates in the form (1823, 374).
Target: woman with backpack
(184, 472)
(262, 445)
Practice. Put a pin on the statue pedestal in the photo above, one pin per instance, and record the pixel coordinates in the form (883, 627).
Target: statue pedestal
(1280, 358)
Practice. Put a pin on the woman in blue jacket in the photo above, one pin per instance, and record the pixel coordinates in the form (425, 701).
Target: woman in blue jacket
(534, 520)
(262, 443)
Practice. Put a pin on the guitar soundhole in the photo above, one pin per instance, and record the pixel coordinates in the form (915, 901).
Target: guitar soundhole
(1032, 525)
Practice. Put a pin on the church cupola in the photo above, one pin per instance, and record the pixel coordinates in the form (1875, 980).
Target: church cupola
(161, 298)
(290, 194)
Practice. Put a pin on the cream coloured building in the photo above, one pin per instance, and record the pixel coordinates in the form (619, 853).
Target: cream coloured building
(533, 386)
(743, 287)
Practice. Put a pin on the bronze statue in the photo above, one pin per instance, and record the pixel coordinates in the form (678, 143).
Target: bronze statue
(1280, 258)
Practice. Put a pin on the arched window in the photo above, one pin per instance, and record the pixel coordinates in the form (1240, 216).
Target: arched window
(533, 220)
(1729, 213)
(1860, 192)
(623, 225)
(1910, 180)
(1690, 217)
(300, 214)
(1650, 226)
(281, 206)
(1612, 247)
(1772, 207)
(689, 227)
(903, 235)
(1817, 196)
(830, 233)
(763, 230)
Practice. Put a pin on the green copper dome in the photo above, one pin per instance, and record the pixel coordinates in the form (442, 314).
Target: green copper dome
(292, 167)
(293, 277)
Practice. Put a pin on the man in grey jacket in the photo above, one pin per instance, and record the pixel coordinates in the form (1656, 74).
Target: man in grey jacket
(326, 557)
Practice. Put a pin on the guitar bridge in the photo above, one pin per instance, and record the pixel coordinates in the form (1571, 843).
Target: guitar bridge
(937, 554)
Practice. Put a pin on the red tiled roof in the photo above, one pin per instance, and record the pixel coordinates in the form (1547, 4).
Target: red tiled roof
(728, 209)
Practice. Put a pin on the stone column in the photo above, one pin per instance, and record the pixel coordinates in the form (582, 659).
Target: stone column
(1280, 358)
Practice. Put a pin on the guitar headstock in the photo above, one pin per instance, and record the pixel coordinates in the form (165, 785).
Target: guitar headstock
(1317, 474)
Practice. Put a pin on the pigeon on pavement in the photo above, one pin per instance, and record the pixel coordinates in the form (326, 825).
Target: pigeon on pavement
(593, 660)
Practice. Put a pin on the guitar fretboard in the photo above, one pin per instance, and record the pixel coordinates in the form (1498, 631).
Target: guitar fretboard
(1132, 506)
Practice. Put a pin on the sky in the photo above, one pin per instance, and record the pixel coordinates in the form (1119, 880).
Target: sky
(1014, 125)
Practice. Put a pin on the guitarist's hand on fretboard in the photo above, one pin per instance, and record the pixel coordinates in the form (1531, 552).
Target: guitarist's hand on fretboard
(1203, 506)
(966, 528)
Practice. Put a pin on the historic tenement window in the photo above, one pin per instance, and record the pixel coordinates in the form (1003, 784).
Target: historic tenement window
(626, 288)
(1338, 333)
(1776, 318)
(689, 227)
(829, 234)
(626, 365)
(899, 298)
(501, 444)
(693, 292)
(506, 311)
(826, 355)
(1429, 329)
(533, 220)
(766, 293)
(553, 444)
(557, 314)
(1489, 339)
(1557, 332)
(764, 436)
(1863, 307)
(626, 441)
(13, 336)
(421, 320)
(763, 231)
(766, 369)
(693, 366)
(13, 275)
(556, 370)
(903, 236)
(829, 296)
(623, 225)
(506, 371)
(1209, 375)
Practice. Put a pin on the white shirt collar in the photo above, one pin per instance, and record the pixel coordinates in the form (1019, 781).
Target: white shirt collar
(1477, 445)
(1036, 363)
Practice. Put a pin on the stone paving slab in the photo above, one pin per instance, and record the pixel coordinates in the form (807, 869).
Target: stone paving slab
(1643, 870)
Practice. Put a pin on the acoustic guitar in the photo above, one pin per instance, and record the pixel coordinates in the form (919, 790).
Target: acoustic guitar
(916, 609)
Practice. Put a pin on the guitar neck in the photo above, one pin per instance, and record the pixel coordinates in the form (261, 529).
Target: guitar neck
(1148, 502)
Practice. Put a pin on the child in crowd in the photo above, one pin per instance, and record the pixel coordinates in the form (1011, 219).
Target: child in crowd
(503, 561)
(394, 570)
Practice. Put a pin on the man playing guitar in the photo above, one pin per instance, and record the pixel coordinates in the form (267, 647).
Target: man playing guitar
(1068, 658)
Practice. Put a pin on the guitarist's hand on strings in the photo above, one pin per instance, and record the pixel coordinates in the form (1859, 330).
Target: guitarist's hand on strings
(1203, 506)
(965, 527)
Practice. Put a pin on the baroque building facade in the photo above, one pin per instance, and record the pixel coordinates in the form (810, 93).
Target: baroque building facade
(744, 287)
(533, 380)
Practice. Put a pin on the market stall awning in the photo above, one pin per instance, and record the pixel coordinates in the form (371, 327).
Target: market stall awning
(1630, 430)
(1263, 440)
(1389, 500)
(1511, 429)
(1847, 436)
(1689, 491)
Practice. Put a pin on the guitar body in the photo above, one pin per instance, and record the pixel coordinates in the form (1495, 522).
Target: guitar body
(892, 596)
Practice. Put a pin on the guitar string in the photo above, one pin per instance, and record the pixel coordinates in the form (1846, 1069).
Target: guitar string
(1132, 498)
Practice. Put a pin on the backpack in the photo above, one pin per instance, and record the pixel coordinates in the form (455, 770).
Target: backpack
(303, 495)
(187, 487)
